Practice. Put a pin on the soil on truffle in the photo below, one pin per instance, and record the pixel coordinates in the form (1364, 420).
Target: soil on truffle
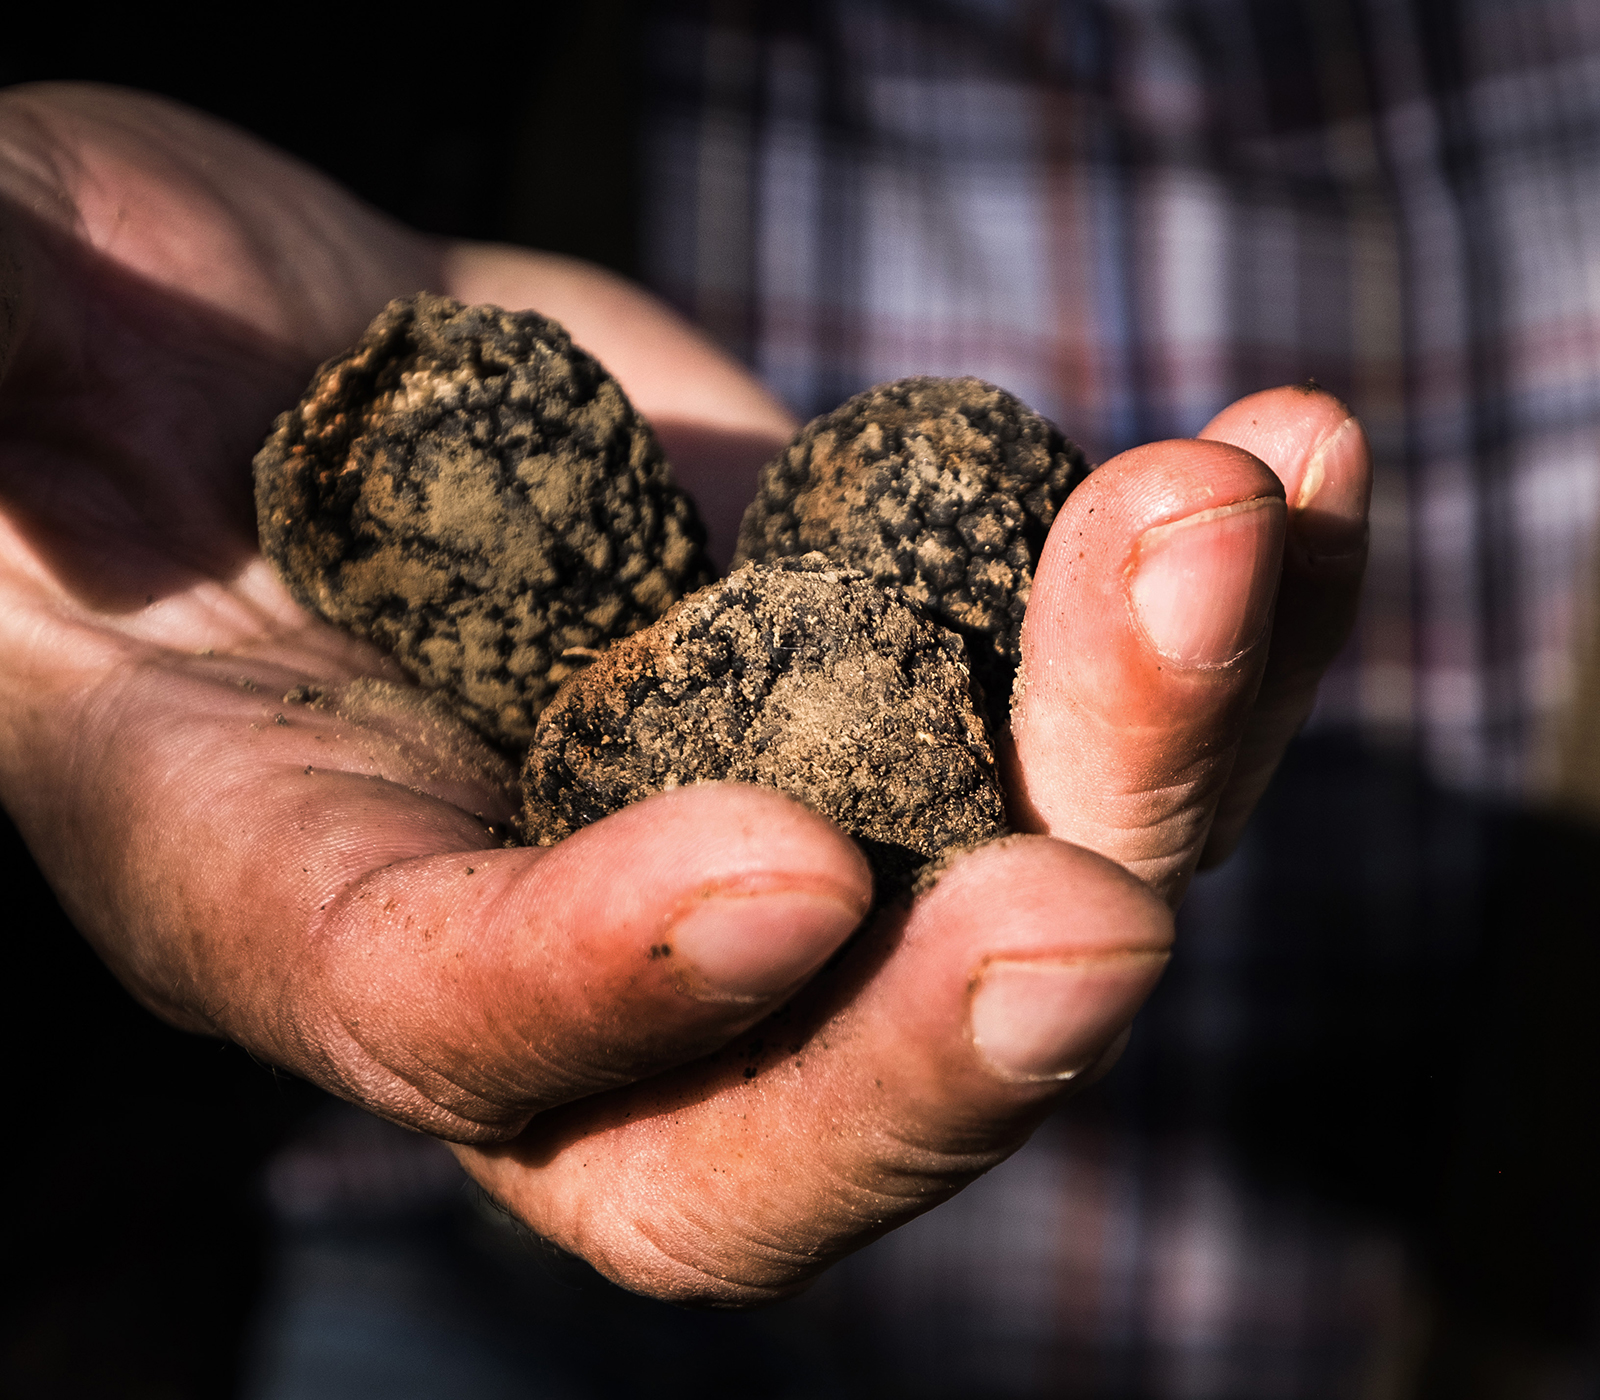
(945, 488)
(797, 675)
(474, 493)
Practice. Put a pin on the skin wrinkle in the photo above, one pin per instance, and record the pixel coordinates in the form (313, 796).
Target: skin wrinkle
(454, 1121)
(925, 1162)
(340, 910)
(1159, 808)
(325, 906)
(725, 1287)
(857, 1205)
(728, 1261)
(775, 1271)
(84, 764)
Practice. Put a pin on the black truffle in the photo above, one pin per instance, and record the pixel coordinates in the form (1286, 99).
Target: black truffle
(797, 675)
(944, 487)
(474, 493)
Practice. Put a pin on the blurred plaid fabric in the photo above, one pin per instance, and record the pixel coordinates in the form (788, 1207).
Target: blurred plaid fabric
(1131, 212)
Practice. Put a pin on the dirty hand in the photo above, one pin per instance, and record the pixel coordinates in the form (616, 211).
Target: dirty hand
(270, 836)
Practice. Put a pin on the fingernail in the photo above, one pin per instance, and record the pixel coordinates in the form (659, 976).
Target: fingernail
(1202, 586)
(1330, 509)
(1035, 1021)
(737, 947)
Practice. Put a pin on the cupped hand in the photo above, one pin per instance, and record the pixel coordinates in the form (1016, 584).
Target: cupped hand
(271, 836)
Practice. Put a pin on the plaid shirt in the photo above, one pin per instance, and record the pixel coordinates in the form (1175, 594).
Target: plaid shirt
(1131, 212)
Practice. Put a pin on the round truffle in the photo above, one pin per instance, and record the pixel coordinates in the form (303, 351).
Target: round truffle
(797, 675)
(474, 493)
(944, 487)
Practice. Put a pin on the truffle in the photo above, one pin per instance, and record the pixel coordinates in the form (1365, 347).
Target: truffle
(474, 493)
(798, 675)
(944, 487)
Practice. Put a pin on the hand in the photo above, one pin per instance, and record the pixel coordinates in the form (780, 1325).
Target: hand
(324, 881)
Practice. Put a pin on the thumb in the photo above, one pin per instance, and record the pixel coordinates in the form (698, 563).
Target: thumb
(1142, 650)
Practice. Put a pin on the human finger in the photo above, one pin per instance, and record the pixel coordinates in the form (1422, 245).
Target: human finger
(923, 1059)
(1142, 650)
(1317, 448)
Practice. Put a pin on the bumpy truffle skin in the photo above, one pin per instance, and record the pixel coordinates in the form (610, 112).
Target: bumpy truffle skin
(944, 487)
(474, 493)
(797, 675)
